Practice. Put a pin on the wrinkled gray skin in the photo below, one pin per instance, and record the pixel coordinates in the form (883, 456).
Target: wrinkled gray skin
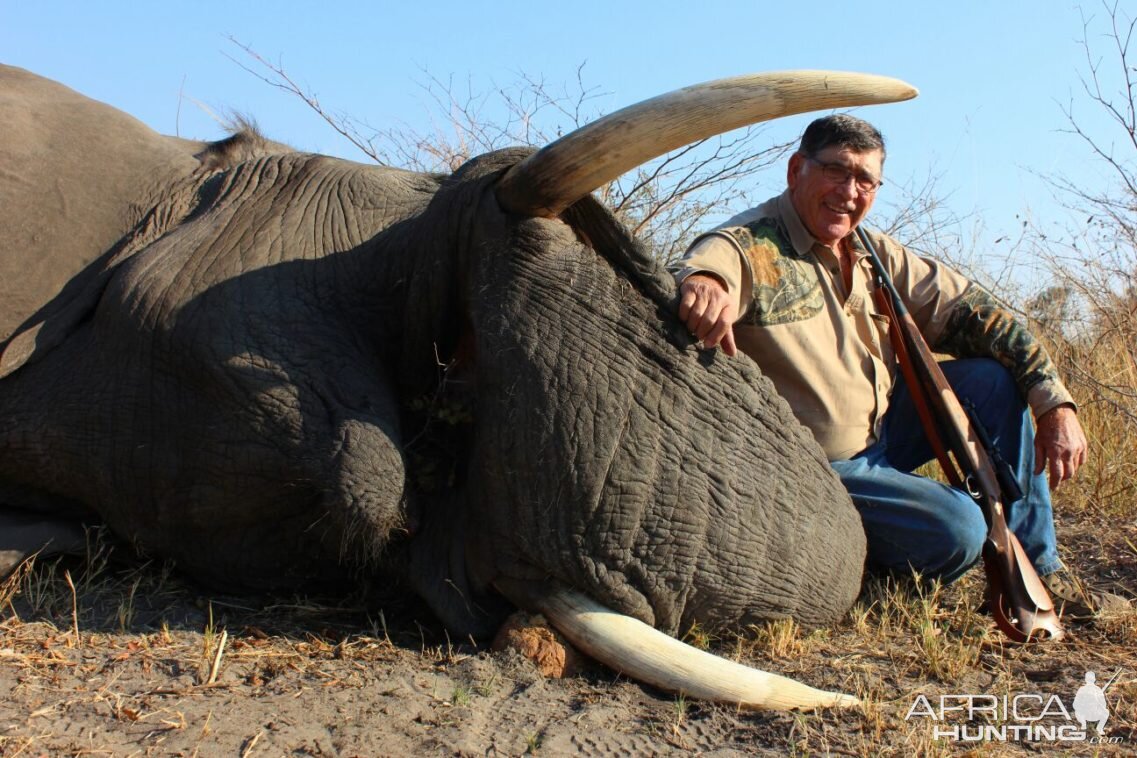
(249, 378)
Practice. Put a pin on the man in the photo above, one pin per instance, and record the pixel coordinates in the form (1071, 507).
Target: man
(789, 284)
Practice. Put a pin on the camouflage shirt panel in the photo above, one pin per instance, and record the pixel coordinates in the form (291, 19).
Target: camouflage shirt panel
(979, 325)
(784, 284)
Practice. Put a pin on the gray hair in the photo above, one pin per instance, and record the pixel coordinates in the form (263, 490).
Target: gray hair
(843, 130)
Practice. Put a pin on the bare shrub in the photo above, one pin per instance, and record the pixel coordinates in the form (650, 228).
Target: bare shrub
(665, 202)
(1088, 311)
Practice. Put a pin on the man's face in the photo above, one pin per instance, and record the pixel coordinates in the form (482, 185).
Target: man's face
(830, 208)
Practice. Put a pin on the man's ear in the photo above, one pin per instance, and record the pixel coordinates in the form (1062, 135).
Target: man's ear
(797, 160)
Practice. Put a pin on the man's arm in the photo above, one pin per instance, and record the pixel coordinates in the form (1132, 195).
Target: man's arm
(979, 325)
(976, 324)
(708, 311)
(713, 284)
(962, 319)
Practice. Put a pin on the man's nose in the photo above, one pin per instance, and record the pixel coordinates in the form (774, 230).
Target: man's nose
(848, 188)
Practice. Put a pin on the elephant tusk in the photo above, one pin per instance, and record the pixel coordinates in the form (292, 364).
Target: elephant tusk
(558, 175)
(648, 655)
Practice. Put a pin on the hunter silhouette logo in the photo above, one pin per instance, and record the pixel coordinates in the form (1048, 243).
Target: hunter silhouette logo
(1089, 703)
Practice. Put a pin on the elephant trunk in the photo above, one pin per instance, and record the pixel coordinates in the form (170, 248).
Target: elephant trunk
(650, 656)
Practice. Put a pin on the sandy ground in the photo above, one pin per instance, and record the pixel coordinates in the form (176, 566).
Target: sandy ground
(135, 661)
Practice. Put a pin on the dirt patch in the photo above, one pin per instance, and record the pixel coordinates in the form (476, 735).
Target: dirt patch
(100, 657)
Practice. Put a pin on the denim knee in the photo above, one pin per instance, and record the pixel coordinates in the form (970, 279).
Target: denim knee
(987, 381)
(959, 549)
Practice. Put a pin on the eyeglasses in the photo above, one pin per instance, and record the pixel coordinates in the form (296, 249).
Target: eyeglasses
(837, 173)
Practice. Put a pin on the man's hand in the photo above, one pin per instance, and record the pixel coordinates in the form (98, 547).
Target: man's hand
(1059, 442)
(708, 311)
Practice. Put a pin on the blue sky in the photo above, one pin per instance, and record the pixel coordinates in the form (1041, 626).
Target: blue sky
(993, 75)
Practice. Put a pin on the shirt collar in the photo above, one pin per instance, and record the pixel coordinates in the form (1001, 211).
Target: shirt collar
(800, 237)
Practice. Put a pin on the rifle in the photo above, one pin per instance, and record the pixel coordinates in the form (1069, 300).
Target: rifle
(1016, 597)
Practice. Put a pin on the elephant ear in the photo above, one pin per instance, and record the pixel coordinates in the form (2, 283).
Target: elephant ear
(57, 320)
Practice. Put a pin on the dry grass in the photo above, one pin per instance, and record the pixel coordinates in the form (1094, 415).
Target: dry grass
(194, 674)
(1102, 375)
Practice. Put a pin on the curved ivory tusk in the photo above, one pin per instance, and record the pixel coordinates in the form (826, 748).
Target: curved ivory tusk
(648, 655)
(558, 175)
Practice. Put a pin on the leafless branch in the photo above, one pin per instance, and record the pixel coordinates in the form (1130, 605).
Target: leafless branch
(277, 77)
(665, 202)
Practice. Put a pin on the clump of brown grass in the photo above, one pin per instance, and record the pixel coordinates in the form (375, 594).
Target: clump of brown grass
(10, 586)
(1101, 370)
(937, 627)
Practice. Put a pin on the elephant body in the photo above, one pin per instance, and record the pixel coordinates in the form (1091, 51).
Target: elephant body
(281, 370)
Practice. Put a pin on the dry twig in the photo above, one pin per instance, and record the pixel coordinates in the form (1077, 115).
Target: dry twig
(215, 667)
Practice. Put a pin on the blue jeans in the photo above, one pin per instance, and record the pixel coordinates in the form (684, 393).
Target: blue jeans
(913, 522)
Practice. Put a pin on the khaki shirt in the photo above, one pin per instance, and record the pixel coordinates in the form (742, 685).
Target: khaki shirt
(827, 350)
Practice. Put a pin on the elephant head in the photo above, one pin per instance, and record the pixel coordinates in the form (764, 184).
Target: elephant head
(283, 369)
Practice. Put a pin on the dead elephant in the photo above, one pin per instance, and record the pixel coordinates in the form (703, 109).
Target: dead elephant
(250, 371)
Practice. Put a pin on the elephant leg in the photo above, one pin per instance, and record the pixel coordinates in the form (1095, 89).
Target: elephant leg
(23, 535)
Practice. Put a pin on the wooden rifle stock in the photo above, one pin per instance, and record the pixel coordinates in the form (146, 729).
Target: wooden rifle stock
(1018, 600)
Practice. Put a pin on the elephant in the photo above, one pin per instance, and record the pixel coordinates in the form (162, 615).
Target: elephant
(284, 370)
